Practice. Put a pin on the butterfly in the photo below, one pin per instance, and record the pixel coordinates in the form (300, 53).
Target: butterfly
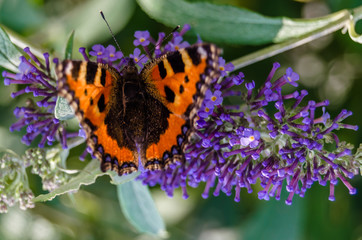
(140, 120)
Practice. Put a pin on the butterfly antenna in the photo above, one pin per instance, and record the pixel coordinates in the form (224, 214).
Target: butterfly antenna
(110, 30)
(167, 37)
(158, 44)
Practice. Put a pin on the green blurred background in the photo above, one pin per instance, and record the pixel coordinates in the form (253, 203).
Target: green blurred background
(329, 68)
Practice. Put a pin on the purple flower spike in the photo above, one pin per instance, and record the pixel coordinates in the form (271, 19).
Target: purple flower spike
(185, 28)
(206, 110)
(25, 68)
(213, 98)
(34, 58)
(111, 54)
(291, 77)
(98, 51)
(276, 65)
(139, 59)
(224, 68)
(176, 44)
(250, 85)
(235, 148)
(250, 137)
(238, 79)
(161, 36)
(84, 54)
(142, 38)
(37, 117)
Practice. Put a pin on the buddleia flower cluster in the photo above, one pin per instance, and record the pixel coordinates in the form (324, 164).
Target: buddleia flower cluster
(37, 117)
(272, 137)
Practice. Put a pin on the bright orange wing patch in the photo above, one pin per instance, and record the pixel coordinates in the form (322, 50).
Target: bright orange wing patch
(87, 86)
(177, 83)
(167, 140)
(179, 80)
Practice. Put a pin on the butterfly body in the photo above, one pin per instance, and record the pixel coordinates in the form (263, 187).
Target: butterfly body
(139, 120)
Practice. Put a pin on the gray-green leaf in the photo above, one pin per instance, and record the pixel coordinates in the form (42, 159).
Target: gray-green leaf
(138, 207)
(87, 176)
(62, 109)
(228, 24)
(9, 54)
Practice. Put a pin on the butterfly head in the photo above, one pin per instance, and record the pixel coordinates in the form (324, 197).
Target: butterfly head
(129, 67)
(132, 83)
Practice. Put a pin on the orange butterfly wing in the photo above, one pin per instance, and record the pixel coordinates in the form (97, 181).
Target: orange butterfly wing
(157, 121)
(88, 88)
(179, 80)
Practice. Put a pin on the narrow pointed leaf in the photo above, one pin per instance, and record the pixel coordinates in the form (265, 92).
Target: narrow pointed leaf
(69, 47)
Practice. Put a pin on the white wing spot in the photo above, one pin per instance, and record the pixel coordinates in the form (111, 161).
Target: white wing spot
(202, 52)
(68, 69)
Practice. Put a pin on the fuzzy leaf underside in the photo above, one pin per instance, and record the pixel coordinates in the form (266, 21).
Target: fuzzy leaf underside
(9, 54)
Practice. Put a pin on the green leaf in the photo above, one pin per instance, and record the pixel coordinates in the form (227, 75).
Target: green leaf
(69, 47)
(62, 109)
(138, 207)
(228, 24)
(87, 176)
(9, 54)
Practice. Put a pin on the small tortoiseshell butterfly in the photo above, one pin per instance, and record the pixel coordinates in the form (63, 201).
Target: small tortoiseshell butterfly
(140, 120)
